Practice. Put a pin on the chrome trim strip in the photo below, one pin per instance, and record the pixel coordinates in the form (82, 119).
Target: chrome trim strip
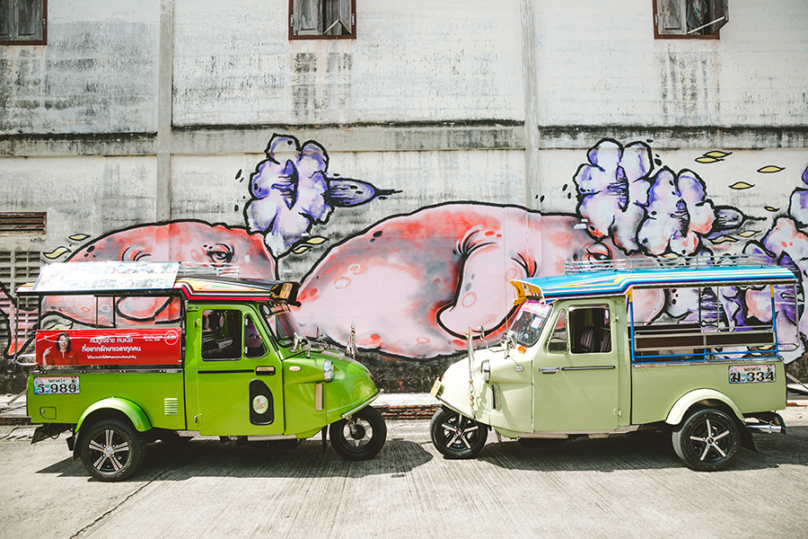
(365, 403)
(562, 434)
(684, 363)
(62, 372)
(592, 368)
(271, 437)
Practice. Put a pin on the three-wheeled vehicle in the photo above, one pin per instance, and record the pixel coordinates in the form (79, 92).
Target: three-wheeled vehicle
(577, 362)
(173, 353)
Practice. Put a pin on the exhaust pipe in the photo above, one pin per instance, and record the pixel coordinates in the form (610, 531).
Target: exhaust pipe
(768, 429)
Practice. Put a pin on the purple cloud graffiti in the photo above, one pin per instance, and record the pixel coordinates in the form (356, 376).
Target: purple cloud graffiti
(291, 192)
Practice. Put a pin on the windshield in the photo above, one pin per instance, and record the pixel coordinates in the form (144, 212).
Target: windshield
(280, 323)
(529, 321)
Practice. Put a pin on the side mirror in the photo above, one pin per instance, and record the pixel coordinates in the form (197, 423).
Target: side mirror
(556, 345)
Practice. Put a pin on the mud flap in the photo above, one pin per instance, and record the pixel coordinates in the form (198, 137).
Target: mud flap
(747, 441)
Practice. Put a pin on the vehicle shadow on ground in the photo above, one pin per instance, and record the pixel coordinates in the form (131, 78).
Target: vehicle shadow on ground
(212, 458)
(641, 450)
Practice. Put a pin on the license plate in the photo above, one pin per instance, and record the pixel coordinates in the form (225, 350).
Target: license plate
(751, 374)
(435, 388)
(56, 385)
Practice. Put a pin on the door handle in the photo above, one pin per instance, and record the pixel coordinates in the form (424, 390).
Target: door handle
(548, 370)
(265, 371)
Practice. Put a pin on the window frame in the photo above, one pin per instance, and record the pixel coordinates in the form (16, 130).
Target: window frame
(293, 36)
(11, 41)
(659, 35)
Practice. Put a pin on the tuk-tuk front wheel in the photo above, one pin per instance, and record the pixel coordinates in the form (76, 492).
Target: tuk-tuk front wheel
(455, 435)
(112, 450)
(707, 440)
(361, 437)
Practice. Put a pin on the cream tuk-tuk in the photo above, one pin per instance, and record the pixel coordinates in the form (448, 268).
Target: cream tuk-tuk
(576, 361)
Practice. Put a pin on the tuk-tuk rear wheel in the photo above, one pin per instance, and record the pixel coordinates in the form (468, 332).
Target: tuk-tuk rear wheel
(455, 435)
(707, 440)
(361, 437)
(112, 450)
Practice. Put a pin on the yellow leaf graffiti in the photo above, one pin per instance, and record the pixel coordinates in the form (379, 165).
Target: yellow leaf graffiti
(56, 253)
(748, 233)
(769, 208)
(741, 185)
(79, 237)
(723, 239)
(771, 169)
(713, 156)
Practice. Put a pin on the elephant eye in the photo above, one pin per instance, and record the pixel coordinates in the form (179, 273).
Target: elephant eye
(220, 253)
(597, 252)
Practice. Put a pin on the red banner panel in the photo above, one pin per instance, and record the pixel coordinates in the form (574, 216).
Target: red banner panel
(109, 347)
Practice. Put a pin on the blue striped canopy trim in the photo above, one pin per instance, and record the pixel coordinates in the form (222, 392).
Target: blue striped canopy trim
(614, 283)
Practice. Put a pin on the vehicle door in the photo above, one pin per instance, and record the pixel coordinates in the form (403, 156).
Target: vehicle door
(576, 371)
(234, 380)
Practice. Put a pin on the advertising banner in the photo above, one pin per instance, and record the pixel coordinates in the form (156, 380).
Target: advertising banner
(108, 347)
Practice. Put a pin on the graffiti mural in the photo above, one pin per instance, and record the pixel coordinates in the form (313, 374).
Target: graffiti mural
(411, 283)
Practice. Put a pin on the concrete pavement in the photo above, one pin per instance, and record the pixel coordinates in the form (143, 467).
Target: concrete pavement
(624, 486)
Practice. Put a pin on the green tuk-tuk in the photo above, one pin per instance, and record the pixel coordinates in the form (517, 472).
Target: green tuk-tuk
(174, 353)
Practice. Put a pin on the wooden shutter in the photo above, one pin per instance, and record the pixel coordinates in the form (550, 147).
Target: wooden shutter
(30, 20)
(5, 19)
(22, 22)
(671, 17)
(307, 18)
(338, 20)
(720, 9)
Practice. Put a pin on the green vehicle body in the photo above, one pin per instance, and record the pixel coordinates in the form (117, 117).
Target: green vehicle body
(301, 387)
(553, 390)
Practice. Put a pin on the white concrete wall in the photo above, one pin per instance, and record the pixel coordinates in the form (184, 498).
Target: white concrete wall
(81, 195)
(599, 64)
(97, 73)
(412, 61)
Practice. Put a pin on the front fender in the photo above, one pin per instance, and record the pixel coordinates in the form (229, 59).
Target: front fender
(131, 410)
(684, 403)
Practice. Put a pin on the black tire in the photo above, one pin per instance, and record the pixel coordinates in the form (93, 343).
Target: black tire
(707, 440)
(362, 437)
(455, 435)
(112, 450)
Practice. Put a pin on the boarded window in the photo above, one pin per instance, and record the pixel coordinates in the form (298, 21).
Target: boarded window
(689, 18)
(23, 22)
(23, 223)
(322, 19)
(17, 268)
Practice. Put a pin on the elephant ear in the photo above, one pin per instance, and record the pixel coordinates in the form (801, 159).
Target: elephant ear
(483, 297)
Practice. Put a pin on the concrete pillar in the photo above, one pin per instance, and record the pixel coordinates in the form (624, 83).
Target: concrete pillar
(164, 100)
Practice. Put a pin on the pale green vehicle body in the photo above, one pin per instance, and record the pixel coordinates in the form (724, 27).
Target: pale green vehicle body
(533, 392)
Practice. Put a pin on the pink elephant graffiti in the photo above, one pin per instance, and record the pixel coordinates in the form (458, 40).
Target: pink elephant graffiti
(185, 241)
(412, 283)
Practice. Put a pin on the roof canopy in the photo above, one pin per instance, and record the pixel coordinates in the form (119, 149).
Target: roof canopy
(153, 279)
(612, 283)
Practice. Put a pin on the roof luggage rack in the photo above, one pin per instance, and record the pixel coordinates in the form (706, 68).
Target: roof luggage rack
(689, 262)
